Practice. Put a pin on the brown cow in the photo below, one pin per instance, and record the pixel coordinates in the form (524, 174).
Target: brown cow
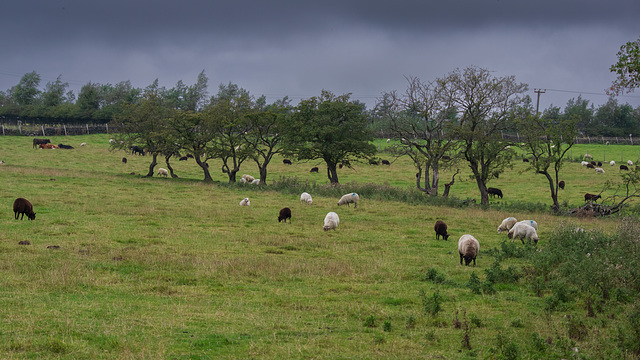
(48, 146)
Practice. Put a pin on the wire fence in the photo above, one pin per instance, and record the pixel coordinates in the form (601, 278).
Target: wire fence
(20, 129)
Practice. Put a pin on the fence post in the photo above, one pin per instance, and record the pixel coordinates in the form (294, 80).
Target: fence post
(621, 158)
(42, 127)
(107, 127)
(2, 129)
(65, 129)
(20, 127)
(589, 138)
(604, 156)
(87, 125)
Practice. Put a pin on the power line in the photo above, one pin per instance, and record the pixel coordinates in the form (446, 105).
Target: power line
(590, 93)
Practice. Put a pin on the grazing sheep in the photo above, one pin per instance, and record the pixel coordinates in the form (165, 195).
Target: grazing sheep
(607, 143)
(525, 160)
(531, 223)
(37, 142)
(83, 144)
(386, 162)
(331, 221)
(587, 156)
(441, 229)
(629, 162)
(591, 166)
(612, 163)
(22, 206)
(285, 213)
(522, 231)
(243, 181)
(286, 162)
(593, 163)
(584, 163)
(561, 184)
(112, 141)
(245, 202)
(314, 169)
(248, 178)
(624, 167)
(255, 182)
(599, 164)
(599, 170)
(163, 172)
(183, 158)
(124, 160)
(306, 198)
(468, 247)
(348, 199)
(494, 192)
(591, 197)
(507, 224)
(388, 140)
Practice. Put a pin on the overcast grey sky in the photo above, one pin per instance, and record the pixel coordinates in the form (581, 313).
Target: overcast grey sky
(298, 48)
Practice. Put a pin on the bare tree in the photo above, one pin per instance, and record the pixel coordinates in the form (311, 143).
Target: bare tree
(422, 120)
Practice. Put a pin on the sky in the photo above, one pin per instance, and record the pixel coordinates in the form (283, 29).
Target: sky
(298, 48)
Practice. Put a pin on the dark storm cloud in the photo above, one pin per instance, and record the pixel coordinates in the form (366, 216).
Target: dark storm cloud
(298, 48)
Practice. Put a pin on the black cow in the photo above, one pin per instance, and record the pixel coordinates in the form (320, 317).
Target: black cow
(136, 150)
(62, 146)
(37, 142)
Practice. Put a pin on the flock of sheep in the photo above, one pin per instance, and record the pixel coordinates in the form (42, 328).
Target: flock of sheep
(331, 220)
(469, 246)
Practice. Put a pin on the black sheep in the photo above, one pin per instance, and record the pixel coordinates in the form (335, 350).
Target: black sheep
(183, 158)
(624, 167)
(599, 163)
(314, 169)
(285, 213)
(286, 162)
(591, 197)
(525, 160)
(561, 184)
(591, 166)
(441, 229)
(22, 206)
(124, 160)
(495, 192)
(386, 162)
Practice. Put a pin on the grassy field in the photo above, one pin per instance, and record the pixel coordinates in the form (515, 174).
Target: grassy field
(152, 268)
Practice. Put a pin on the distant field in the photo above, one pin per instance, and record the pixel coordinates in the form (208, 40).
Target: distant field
(174, 268)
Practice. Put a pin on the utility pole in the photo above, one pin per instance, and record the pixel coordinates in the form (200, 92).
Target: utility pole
(539, 91)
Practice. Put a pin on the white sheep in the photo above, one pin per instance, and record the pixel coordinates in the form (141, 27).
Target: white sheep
(522, 231)
(348, 199)
(112, 141)
(255, 182)
(507, 224)
(331, 221)
(468, 247)
(585, 163)
(531, 223)
(612, 163)
(388, 140)
(248, 178)
(306, 198)
(243, 180)
(629, 162)
(599, 170)
(163, 172)
(245, 202)
(587, 156)
(83, 144)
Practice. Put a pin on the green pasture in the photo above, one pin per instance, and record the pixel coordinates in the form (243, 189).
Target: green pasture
(161, 268)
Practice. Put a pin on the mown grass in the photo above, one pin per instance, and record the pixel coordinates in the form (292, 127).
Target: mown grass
(174, 268)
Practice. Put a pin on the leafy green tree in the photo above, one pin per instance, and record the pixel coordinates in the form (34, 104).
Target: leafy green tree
(329, 127)
(627, 69)
(613, 119)
(579, 109)
(548, 140)
(228, 119)
(484, 105)
(423, 121)
(55, 93)
(26, 92)
(144, 125)
(263, 136)
(193, 133)
(88, 102)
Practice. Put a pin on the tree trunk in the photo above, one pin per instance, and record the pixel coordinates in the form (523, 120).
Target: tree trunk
(482, 186)
(205, 169)
(332, 173)
(447, 187)
(554, 191)
(166, 160)
(435, 181)
(232, 175)
(263, 172)
(152, 165)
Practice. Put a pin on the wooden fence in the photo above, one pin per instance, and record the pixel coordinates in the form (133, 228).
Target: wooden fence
(20, 129)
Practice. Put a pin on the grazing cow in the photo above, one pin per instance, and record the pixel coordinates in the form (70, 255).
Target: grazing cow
(494, 192)
(37, 142)
(386, 162)
(285, 213)
(22, 206)
(561, 184)
(286, 162)
(624, 167)
(591, 197)
(314, 169)
(124, 160)
(136, 150)
(63, 146)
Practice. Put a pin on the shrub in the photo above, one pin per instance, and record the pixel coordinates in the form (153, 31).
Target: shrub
(434, 276)
(431, 304)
